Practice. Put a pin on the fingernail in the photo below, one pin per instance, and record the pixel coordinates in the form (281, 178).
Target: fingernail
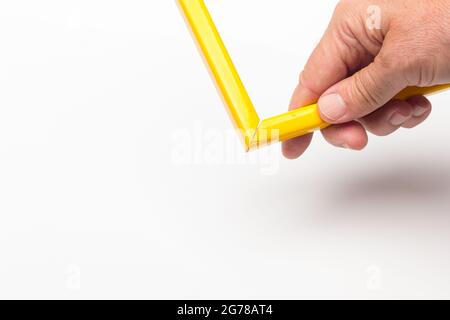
(419, 111)
(345, 146)
(332, 107)
(398, 119)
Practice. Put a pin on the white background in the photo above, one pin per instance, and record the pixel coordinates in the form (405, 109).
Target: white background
(95, 202)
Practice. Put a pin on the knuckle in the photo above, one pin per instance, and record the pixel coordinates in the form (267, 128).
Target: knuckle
(420, 70)
(417, 68)
(364, 93)
(426, 70)
(413, 123)
(379, 132)
(377, 128)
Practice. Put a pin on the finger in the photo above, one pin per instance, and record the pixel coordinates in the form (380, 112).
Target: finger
(421, 111)
(294, 148)
(350, 135)
(362, 93)
(324, 68)
(388, 118)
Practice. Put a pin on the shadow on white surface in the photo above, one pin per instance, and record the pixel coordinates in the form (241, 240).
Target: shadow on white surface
(417, 182)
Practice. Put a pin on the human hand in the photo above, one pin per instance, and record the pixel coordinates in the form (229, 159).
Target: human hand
(371, 51)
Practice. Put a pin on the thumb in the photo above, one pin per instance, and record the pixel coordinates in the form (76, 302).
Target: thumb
(362, 93)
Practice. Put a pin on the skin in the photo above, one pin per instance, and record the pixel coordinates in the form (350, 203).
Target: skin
(355, 71)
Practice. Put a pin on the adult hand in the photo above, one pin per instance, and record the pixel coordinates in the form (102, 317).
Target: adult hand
(371, 51)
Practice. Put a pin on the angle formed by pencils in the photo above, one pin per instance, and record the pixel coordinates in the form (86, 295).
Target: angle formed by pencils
(255, 132)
